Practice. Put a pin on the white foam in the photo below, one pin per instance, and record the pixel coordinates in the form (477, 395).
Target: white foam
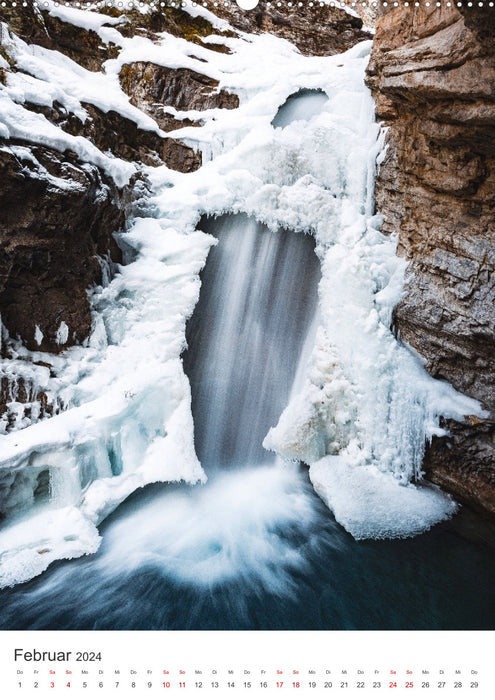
(233, 528)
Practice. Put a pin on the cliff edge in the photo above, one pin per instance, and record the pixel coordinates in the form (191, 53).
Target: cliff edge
(432, 75)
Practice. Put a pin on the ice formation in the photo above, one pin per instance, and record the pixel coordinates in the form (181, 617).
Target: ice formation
(363, 405)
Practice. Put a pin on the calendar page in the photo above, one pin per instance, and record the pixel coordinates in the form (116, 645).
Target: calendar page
(247, 380)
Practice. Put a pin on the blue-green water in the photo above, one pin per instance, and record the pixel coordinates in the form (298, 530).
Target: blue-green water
(439, 580)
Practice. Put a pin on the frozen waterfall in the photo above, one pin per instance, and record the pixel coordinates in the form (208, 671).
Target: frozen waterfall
(362, 406)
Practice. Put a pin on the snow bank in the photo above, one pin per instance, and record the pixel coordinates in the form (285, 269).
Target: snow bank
(16, 122)
(61, 78)
(86, 19)
(30, 546)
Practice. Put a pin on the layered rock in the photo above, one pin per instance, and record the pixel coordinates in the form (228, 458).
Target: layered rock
(35, 27)
(110, 131)
(60, 213)
(48, 260)
(152, 88)
(432, 74)
(170, 19)
(316, 29)
(58, 216)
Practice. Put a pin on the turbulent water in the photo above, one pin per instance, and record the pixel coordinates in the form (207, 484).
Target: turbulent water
(255, 550)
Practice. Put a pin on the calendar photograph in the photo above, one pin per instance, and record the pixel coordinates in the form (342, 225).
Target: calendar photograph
(247, 301)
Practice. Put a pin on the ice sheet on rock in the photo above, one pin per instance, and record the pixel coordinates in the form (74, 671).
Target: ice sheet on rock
(92, 20)
(22, 87)
(27, 381)
(58, 77)
(28, 547)
(128, 422)
(20, 123)
(86, 19)
(371, 503)
(217, 22)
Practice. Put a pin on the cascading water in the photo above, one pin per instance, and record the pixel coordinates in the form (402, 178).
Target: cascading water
(258, 298)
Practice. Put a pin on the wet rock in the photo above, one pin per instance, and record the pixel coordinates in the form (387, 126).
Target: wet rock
(432, 73)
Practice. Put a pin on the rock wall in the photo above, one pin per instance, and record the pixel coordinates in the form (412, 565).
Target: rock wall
(432, 74)
(47, 258)
(316, 29)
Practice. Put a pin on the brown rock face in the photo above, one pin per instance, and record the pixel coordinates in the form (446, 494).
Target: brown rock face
(110, 131)
(316, 30)
(59, 214)
(57, 217)
(81, 45)
(432, 73)
(172, 20)
(152, 87)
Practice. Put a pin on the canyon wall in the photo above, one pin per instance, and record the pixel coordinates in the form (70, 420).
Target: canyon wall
(432, 74)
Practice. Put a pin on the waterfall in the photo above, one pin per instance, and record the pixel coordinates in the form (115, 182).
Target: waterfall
(258, 297)
(250, 323)
(362, 405)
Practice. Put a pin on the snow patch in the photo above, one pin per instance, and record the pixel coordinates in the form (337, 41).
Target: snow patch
(16, 122)
(38, 335)
(50, 75)
(86, 19)
(62, 334)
